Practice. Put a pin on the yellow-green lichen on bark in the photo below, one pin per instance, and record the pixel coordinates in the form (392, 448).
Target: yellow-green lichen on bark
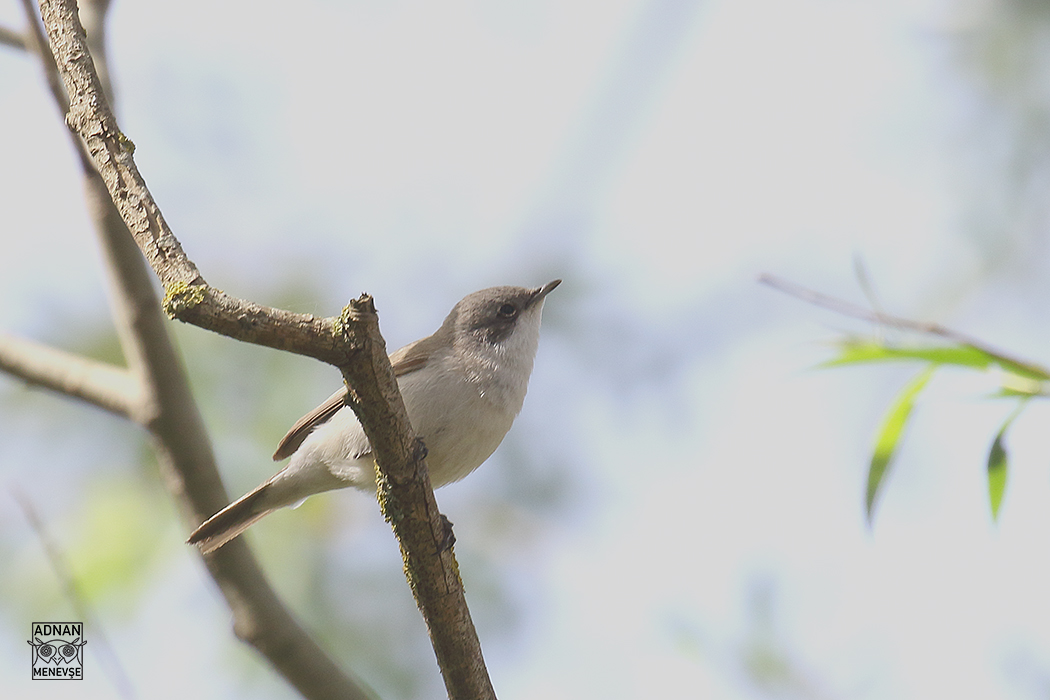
(180, 297)
(354, 312)
(125, 143)
(342, 323)
(388, 504)
(407, 569)
(393, 514)
(338, 327)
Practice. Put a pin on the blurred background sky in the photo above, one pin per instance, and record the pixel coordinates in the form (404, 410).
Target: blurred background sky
(678, 511)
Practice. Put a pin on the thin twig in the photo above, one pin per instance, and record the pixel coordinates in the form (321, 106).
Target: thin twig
(846, 308)
(36, 43)
(867, 285)
(106, 653)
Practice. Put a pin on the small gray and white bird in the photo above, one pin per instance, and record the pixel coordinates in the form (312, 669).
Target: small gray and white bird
(462, 386)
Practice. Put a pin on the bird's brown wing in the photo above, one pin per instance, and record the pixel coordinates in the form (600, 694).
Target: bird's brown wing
(298, 432)
(415, 355)
(408, 359)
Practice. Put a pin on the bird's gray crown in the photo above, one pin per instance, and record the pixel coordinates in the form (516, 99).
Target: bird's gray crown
(491, 314)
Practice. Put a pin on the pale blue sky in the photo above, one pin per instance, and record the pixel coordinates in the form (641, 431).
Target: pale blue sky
(658, 156)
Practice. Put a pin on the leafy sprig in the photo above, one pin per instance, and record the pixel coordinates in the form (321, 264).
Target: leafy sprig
(1018, 379)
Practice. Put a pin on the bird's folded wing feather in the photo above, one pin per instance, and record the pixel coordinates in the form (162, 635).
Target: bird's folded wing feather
(408, 359)
(298, 432)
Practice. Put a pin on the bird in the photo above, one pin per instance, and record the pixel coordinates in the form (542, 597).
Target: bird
(462, 386)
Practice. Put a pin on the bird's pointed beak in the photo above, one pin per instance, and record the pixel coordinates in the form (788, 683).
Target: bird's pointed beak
(544, 290)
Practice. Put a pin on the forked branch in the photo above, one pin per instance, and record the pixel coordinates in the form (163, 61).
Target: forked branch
(350, 341)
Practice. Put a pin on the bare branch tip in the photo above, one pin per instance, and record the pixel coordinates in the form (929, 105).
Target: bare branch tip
(354, 311)
(363, 304)
(14, 39)
(779, 283)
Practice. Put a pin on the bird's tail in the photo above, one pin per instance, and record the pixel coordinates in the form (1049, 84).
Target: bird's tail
(291, 485)
(233, 519)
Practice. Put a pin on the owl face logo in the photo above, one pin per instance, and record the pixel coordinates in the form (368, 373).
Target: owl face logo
(58, 650)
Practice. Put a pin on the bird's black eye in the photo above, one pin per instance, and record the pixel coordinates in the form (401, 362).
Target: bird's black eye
(507, 311)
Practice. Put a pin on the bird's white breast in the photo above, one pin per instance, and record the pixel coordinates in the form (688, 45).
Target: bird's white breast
(459, 423)
(461, 403)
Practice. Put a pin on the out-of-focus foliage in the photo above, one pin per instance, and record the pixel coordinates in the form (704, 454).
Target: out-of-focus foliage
(1018, 379)
(1001, 50)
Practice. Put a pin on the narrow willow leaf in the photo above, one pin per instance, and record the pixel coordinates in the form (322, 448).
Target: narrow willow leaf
(890, 432)
(998, 463)
(996, 474)
(853, 352)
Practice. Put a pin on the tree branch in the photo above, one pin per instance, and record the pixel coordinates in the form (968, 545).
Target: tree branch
(406, 498)
(93, 16)
(98, 383)
(36, 42)
(166, 407)
(9, 37)
(351, 342)
(187, 464)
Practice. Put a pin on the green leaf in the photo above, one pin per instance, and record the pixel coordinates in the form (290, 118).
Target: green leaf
(854, 351)
(998, 463)
(996, 474)
(890, 432)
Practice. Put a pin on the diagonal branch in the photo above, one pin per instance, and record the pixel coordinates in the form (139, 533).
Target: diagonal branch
(351, 342)
(187, 296)
(9, 37)
(187, 463)
(98, 383)
(163, 403)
